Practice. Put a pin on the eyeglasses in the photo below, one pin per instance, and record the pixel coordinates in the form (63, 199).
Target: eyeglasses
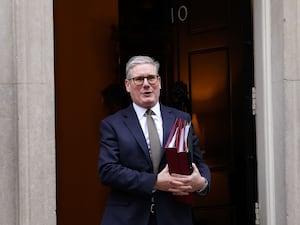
(151, 79)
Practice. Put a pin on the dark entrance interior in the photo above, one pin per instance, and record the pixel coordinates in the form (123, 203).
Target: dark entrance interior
(205, 51)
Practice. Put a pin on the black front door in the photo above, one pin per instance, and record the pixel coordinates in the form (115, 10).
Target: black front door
(206, 48)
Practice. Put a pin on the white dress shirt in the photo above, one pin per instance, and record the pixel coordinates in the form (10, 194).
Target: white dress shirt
(141, 114)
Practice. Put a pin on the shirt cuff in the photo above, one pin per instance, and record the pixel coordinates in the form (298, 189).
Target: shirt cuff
(203, 188)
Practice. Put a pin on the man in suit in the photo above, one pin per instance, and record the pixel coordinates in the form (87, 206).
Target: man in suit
(139, 195)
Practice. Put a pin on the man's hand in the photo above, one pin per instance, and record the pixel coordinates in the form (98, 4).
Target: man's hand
(164, 179)
(179, 184)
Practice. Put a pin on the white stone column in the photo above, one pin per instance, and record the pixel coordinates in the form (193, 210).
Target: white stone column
(27, 134)
(277, 75)
(8, 120)
(291, 82)
(265, 116)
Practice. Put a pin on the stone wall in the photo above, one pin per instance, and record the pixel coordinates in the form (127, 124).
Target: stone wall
(291, 107)
(27, 144)
(27, 134)
(277, 76)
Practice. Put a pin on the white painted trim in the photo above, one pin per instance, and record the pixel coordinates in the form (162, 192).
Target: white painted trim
(264, 118)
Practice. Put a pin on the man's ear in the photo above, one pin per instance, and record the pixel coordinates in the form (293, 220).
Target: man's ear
(127, 85)
(160, 83)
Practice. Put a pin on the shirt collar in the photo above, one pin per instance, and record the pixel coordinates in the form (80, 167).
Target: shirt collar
(140, 111)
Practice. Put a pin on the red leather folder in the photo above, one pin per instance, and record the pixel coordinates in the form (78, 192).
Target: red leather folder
(177, 154)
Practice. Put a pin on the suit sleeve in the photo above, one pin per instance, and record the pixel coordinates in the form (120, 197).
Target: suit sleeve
(198, 158)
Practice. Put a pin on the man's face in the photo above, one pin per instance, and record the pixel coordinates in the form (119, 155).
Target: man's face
(145, 95)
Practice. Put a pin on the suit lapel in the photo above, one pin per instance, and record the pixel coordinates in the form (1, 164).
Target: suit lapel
(132, 122)
(168, 120)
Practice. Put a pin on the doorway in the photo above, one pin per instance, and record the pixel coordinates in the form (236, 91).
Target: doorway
(205, 49)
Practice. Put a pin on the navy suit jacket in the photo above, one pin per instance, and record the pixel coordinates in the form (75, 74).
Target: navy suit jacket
(125, 165)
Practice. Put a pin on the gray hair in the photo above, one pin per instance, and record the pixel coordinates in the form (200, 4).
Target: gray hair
(136, 60)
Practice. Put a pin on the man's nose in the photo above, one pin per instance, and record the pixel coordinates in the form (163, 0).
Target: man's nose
(146, 82)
